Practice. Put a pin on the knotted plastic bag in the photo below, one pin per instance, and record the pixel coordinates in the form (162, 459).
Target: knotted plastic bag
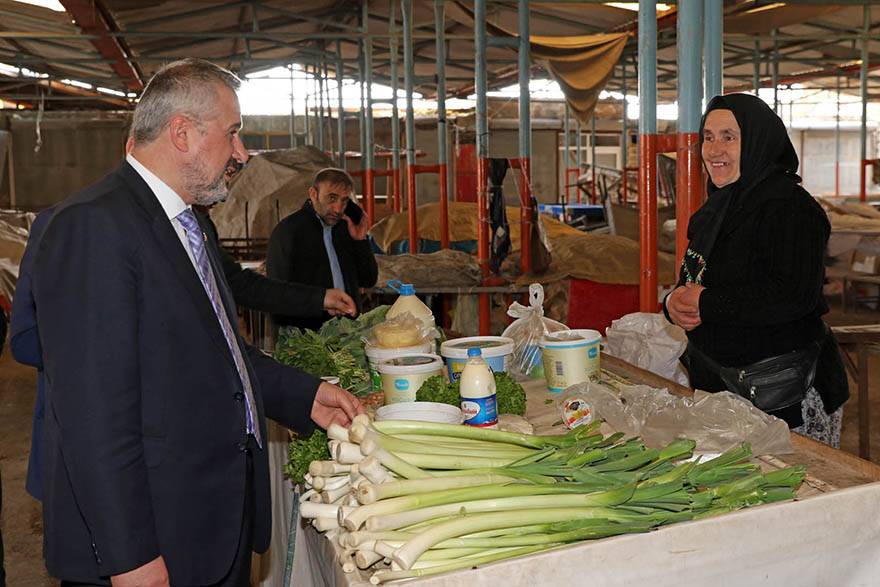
(526, 331)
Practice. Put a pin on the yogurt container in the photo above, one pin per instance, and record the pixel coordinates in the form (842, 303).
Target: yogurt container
(570, 357)
(421, 411)
(496, 351)
(376, 355)
(403, 376)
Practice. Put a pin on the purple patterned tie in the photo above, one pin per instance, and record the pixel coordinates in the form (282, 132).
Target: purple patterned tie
(197, 238)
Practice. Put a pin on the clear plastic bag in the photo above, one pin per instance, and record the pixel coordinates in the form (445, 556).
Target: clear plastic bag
(526, 331)
(403, 330)
(648, 341)
(716, 421)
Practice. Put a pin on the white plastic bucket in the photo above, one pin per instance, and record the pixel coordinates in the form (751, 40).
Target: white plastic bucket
(421, 411)
(570, 357)
(377, 354)
(403, 376)
(496, 352)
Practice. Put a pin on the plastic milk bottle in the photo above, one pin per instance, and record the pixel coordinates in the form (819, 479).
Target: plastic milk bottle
(408, 302)
(478, 392)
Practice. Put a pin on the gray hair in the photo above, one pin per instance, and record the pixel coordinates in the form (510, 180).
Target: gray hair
(187, 87)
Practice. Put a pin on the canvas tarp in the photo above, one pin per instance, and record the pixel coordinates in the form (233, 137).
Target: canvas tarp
(581, 64)
(275, 184)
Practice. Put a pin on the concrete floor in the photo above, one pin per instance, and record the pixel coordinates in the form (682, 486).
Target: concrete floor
(22, 520)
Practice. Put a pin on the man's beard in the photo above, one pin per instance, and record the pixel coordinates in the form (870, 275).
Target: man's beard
(204, 191)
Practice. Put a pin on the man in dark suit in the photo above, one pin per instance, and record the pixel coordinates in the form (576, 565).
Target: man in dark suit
(321, 245)
(155, 472)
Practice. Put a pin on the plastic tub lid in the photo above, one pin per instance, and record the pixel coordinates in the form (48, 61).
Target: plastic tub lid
(490, 346)
(410, 364)
(569, 338)
(421, 411)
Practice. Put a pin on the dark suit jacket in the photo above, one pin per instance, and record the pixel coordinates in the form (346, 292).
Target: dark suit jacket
(296, 253)
(24, 342)
(145, 424)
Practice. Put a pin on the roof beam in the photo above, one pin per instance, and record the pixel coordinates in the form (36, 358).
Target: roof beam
(92, 19)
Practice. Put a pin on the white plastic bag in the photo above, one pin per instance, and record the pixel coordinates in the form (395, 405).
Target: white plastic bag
(526, 331)
(648, 341)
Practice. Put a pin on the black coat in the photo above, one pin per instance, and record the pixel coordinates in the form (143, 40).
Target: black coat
(297, 254)
(258, 292)
(764, 271)
(145, 424)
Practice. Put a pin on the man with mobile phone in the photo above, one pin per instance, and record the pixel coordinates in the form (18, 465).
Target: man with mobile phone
(324, 244)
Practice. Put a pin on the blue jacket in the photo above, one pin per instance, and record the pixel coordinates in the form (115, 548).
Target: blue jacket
(24, 341)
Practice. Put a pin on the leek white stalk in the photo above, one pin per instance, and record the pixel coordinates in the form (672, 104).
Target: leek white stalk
(356, 539)
(337, 432)
(348, 453)
(374, 492)
(332, 495)
(318, 510)
(324, 524)
(364, 559)
(394, 427)
(456, 462)
(397, 446)
(305, 496)
(328, 468)
(373, 470)
(398, 465)
(407, 554)
(386, 549)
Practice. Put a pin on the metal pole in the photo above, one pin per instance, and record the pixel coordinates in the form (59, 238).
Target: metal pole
(648, 155)
(408, 73)
(688, 170)
(713, 49)
(578, 157)
(369, 184)
(756, 72)
(319, 79)
(340, 108)
(566, 150)
(863, 83)
(836, 143)
(395, 113)
(775, 71)
(362, 123)
(482, 127)
(593, 195)
(525, 139)
(442, 177)
(291, 124)
(624, 139)
(308, 122)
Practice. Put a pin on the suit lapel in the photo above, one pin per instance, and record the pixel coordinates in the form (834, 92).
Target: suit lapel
(181, 266)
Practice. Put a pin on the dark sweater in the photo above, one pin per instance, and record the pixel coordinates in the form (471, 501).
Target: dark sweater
(297, 254)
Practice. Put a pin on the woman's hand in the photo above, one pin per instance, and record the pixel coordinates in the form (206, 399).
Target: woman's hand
(683, 305)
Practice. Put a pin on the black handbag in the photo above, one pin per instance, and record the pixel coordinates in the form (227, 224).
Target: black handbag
(770, 384)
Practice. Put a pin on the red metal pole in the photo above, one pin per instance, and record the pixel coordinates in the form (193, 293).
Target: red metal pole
(689, 192)
(395, 188)
(412, 217)
(483, 239)
(444, 206)
(648, 222)
(525, 215)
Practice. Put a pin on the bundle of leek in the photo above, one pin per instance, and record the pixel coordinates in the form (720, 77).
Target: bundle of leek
(410, 499)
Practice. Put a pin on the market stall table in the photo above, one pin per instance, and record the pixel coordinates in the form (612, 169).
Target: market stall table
(821, 539)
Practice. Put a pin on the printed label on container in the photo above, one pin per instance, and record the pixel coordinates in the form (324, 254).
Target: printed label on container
(576, 411)
(481, 412)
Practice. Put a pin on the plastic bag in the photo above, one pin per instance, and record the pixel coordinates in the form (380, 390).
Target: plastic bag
(716, 421)
(526, 331)
(648, 341)
(403, 330)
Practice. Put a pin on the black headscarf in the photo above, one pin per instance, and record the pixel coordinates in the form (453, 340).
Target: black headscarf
(765, 150)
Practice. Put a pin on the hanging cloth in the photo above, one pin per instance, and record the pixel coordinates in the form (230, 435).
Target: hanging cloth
(500, 228)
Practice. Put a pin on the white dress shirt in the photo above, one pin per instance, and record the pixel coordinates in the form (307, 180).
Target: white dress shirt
(170, 201)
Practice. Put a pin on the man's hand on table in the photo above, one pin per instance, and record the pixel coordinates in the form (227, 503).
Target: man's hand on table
(334, 404)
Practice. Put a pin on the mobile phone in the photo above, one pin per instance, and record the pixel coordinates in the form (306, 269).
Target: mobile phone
(354, 212)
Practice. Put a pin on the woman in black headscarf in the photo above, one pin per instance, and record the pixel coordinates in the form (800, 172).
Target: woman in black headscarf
(749, 293)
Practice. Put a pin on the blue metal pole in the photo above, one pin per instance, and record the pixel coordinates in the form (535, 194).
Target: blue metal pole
(525, 138)
(482, 127)
(648, 155)
(340, 109)
(395, 113)
(690, 89)
(863, 84)
(442, 176)
(713, 48)
(408, 74)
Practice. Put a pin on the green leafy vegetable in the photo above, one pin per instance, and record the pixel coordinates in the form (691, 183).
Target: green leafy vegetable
(510, 395)
(302, 451)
